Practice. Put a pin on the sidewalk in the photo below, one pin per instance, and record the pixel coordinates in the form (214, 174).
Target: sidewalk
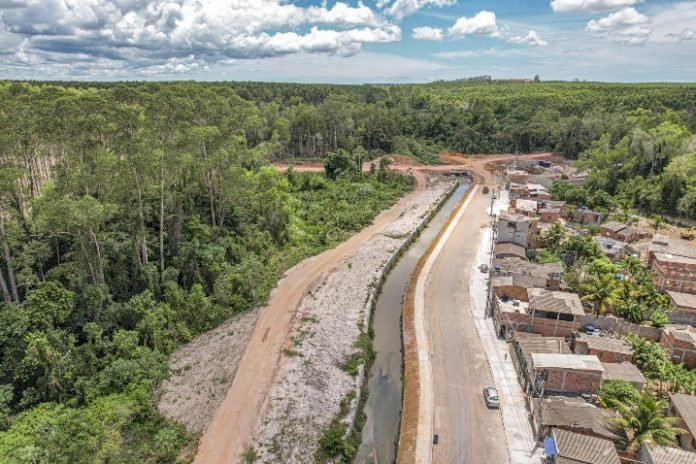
(521, 444)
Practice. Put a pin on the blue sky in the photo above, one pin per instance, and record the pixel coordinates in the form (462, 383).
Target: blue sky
(348, 41)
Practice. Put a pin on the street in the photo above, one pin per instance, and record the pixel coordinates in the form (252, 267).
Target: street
(469, 431)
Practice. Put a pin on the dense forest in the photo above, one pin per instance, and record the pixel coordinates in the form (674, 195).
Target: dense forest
(134, 216)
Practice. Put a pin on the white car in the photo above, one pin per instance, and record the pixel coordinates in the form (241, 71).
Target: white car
(490, 394)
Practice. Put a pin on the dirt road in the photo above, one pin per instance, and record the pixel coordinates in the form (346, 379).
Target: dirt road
(228, 436)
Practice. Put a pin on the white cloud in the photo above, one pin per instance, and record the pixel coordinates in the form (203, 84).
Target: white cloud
(483, 23)
(567, 6)
(156, 32)
(532, 38)
(427, 33)
(402, 8)
(626, 25)
(673, 23)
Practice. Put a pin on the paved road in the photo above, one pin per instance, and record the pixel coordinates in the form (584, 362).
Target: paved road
(470, 433)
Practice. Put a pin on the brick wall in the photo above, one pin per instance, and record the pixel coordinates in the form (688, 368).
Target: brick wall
(513, 291)
(680, 351)
(572, 381)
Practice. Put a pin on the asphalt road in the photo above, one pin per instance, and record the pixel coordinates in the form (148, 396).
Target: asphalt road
(469, 432)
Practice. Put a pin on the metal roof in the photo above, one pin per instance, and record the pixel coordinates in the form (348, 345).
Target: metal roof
(686, 408)
(623, 371)
(667, 455)
(584, 449)
(553, 301)
(509, 248)
(581, 362)
(561, 411)
(683, 300)
(614, 226)
(605, 344)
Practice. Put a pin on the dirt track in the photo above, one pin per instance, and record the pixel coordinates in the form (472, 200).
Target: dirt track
(228, 436)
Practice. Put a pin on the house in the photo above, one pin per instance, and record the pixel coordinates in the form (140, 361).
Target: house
(524, 345)
(584, 215)
(515, 228)
(680, 342)
(517, 176)
(572, 414)
(549, 215)
(509, 250)
(614, 249)
(524, 207)
(684, 407)
(624, 371)
(673, 263)
(566, 373)
(682, 307)
(546, 275)
(538, 192)
(554, 313)
(563, 447)
(607, 349)
(665, 455)
(518, 190)
(619, 232)
(549, 313)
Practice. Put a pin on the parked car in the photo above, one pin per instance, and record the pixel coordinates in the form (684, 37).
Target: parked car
(490, 394)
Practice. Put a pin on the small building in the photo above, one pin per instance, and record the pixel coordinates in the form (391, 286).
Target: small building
(515, 228)
(549, 215)
(624, 371)
(524, 207)
(584, 215)
(607, 349)
(518, 190)
(682, 307)
(673, 263)
(665, 455)
(546, 275)
(620, 232)
(615, 250)
(509, 250)
(572, 414)
(554, 313)
(517, 176)
(563, 447)
(680, 342)
(566, 373)
(684, 407)
(524, 345)
(538, 192)
(513, 286)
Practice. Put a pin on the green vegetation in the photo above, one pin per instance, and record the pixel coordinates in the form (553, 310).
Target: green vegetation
(644, 420)
(135, 216)
(132, 219)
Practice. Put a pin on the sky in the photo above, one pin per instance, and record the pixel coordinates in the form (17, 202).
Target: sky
(348, 41)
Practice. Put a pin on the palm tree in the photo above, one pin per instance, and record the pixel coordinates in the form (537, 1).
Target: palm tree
(554, 235)
(601, 290)
(645, 422)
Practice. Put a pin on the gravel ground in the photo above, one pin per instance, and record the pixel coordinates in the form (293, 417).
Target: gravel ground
(202, 371)
(311, 382)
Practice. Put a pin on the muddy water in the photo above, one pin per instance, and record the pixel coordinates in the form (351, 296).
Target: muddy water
(383, 406)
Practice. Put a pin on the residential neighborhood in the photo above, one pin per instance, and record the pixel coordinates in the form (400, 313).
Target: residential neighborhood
(598, 312)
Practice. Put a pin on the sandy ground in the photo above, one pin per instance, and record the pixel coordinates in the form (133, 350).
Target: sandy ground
(202, 371)
(256, 371)
(311, 380)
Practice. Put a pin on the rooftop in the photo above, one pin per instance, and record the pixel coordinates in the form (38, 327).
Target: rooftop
(561, 411)
(668, 455)
(581, 362)
(684, 300)
(624, 371)
(609, 245)
(509, 306)
(516, 280)
(614, 226)
(686, 407)
(519, 266)
(584, 449)
(553, 301)
(530, 345)
(669, 245)
(512, 217)
(509, 249)
(683, 333)
(673, 257)
(606, 344)
(526, 205)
